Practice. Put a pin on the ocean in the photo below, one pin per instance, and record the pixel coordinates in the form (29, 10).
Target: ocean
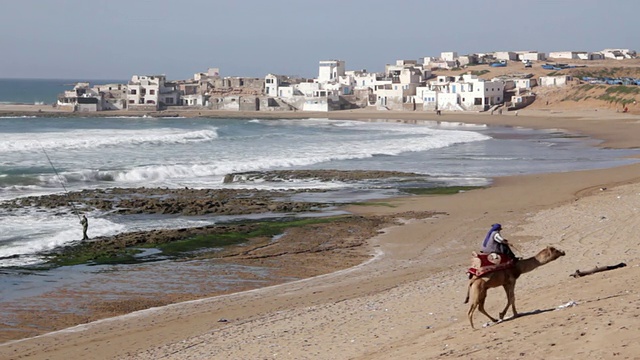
(91, 153)
(40, 91)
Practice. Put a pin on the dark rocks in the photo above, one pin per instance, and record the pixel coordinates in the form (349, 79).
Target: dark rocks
(190, 202)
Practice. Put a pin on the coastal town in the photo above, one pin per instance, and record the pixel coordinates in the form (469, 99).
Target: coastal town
(449, 82)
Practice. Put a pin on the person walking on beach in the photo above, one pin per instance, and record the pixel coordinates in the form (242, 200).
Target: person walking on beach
(85, 225)
(495, 243)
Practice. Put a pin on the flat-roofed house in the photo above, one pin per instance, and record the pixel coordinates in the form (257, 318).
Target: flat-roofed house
(569, 55)
(465, 93)
(81, 99)
(560, 80)
(531, 56)
(151, 93)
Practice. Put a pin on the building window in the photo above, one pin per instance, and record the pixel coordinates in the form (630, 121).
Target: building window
(169, 100)
(132, 101)
(152, 92)
(134, 91)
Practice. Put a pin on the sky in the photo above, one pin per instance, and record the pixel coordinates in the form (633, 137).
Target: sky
(115, 39)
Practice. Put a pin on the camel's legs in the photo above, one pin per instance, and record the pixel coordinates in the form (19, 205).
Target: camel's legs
(504, 311)
(472, 293)
(512, 293)
(482, 296)
(472, 308)
(511, 300)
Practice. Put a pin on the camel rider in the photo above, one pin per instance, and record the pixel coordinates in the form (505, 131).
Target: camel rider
(495, 243)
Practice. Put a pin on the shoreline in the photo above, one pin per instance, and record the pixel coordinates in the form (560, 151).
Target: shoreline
(513, 199)
(585, 121)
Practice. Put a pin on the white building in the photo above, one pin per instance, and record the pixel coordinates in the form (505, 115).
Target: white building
(467, 93)
(398, 86)
(449, 56)
(114, 96)
(619, 54)
(561, 80)
(531, 56)
(361, 79)
(569, 55)
(591, 56)
(151, 92)
(330, 70)
(505, 55)
(82, 99)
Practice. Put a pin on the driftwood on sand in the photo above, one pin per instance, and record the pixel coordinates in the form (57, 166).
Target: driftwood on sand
(596, 269)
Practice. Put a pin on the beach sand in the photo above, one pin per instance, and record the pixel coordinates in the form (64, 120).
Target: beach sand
(406, 302)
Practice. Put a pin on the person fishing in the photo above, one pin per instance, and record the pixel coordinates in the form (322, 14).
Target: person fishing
(495, 243)
(83, 221)
(85, 225)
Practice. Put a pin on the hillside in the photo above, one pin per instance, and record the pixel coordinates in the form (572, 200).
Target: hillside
(579, 94)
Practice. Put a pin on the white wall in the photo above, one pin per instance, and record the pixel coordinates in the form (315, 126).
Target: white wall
(449, 55)
(330, 70)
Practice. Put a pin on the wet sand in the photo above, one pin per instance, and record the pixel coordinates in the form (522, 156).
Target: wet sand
(405, 301)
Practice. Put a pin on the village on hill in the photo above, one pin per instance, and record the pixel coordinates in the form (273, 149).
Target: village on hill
(488, 82)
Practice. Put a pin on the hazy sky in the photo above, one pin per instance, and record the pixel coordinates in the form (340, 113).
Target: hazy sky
(114, 39)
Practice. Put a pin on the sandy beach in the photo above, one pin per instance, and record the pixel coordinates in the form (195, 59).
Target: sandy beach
(406, 300)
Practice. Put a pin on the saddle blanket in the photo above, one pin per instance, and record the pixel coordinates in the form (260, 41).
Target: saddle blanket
(482, 264)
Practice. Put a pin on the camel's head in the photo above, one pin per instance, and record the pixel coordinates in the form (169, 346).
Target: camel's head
(549, 254)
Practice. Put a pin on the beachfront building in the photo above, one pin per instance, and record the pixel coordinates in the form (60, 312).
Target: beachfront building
(277, 86)
(151, 93)
(193, 93)
(113, 96)
(396, 90)
(81, 99)
(321, 94)
(464, 93)
(330, 70)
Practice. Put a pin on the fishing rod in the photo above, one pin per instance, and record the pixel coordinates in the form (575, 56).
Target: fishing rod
(61, 182)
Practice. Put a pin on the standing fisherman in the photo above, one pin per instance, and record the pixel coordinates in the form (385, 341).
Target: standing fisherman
(85, 225)
(83, 221)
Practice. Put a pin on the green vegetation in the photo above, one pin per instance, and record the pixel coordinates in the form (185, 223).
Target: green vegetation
(447, 190)
(264, 229)
(86, 254)
(620, 94)
(103, 253)
(623, 89)
(613, 94)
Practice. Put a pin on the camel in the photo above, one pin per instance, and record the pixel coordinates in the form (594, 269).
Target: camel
(506, 278)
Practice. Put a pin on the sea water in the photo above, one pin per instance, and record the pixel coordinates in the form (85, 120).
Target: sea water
(40, 91)
(50, 155)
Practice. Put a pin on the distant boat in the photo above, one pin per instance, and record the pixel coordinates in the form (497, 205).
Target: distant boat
(501, 63)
